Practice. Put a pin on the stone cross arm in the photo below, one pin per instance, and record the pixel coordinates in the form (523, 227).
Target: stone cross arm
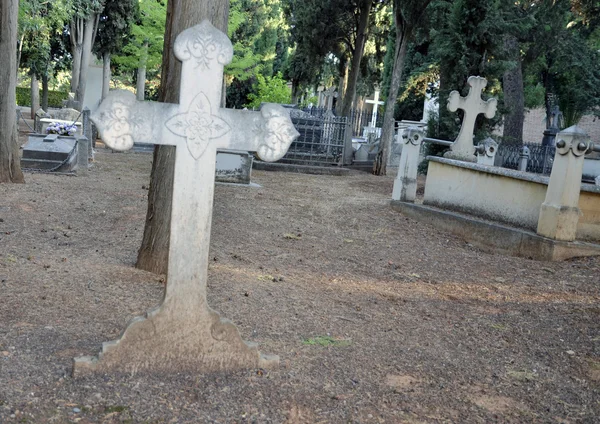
(122, 120)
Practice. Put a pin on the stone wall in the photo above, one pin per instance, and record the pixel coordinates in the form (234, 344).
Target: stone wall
(535, 124)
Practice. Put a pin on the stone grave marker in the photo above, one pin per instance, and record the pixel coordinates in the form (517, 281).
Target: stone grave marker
(472, 105)
(184, 333)
(376, 103)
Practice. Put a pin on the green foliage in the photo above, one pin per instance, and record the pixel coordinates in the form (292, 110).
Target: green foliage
(55, 98)
(149, 27)
(114, 26)
(269, 90)
(40, 40)
(257, 31)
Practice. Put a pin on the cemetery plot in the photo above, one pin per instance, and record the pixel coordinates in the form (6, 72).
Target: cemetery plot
(374, 316)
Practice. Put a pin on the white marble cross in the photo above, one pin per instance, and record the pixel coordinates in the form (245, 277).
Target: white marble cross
(376, 103)
(184, 333)
(472, 105)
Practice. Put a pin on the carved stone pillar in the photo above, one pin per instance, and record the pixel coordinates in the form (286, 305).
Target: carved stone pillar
(405, 185)
(559, 214)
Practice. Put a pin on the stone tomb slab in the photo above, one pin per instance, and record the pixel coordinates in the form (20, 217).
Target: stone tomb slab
(50, 152)
(184, 334)
(234, 166)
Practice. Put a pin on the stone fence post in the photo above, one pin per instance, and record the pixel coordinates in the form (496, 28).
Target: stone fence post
(87, 130)
(405, 185)
(559, 214)
(82, 155)
(486, 152)
(524, 156)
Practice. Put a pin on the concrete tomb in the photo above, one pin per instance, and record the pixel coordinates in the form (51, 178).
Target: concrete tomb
(184, 333)
(50, 153)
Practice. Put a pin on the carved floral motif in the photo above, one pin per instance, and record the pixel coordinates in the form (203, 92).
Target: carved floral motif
(204, 44)
(276, 130)
(115, 120)
(198, 125)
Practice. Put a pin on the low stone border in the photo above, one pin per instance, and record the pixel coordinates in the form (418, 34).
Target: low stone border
(496, 238)
(301, 169)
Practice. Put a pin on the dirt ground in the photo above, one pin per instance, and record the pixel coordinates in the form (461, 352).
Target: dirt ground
(376, 317)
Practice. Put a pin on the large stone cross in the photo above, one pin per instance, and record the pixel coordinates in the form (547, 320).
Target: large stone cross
(376, 103)
(184, 333)
(472, 105)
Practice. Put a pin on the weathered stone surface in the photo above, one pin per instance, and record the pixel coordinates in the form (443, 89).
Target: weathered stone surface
(405, 185)
(559, 214)
(472, 105)
(184, 333)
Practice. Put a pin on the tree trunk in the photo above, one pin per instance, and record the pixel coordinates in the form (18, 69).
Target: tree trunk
(181, 14)
(141, 73)
(345, 70)
(10, 166)
(387, 134)
(514, 98)
(77, 28)
(86, 57)
(105, 75)
(359, 48)
(35, 95)
(45, 91)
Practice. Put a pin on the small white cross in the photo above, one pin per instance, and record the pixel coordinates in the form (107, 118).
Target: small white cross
(376, 103)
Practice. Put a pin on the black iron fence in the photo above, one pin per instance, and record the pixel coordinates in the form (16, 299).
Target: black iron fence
(540, 157)
(359, 118)
(321, 139)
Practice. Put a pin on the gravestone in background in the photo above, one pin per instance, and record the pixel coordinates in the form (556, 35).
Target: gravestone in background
(184, 333)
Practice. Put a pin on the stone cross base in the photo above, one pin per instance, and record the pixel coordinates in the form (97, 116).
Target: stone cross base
(460, 155)
(165, 341)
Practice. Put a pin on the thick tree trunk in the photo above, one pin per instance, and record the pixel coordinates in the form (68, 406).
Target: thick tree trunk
(359, 48)
(105, 75)
(10, 167)
(181, 14)
(514, 98)
(45, 91)
(35, 95)
(86, 57)
(77, 29)
(141, 73)
(387, 133)
(345, 71)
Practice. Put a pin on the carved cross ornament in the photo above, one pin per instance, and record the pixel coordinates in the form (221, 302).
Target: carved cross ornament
(184, 333)
(472, 105)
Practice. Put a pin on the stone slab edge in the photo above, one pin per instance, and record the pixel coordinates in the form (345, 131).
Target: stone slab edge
(496, 238)
(505, 172)
(301, 169)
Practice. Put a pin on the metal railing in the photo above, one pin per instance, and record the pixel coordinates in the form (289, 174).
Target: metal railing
(540, 158)
(359, 118)
(321, 140)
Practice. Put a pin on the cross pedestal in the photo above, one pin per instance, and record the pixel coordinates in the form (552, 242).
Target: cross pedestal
(184, 333)
(472, 105)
